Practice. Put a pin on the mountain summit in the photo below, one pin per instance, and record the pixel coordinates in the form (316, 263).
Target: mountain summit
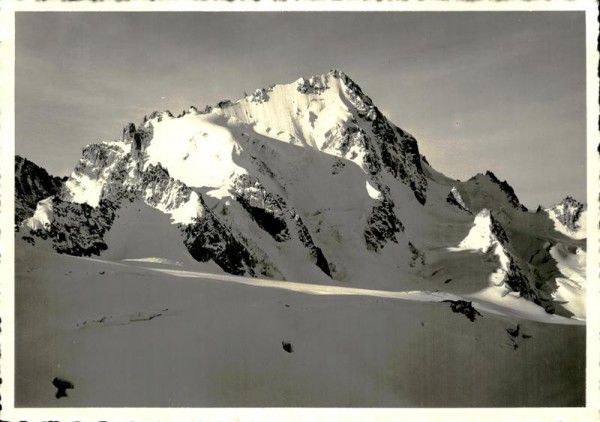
(309, 182)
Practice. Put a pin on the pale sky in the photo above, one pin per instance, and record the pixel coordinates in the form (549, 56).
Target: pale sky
(500, 91)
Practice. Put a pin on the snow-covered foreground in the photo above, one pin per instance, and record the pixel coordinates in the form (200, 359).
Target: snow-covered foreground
(139, 333)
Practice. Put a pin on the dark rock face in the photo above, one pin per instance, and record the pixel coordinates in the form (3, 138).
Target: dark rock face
(266, 220)
(519, 282)
(78, 229)
(508, 190)
(464, 307)
(118, 184)
(345, 138)
(264, 208)
(32, 184)
(516, 278)
(568, 212)
(224, 103)
(139, 138)
(129, 132)
(160, 188)
(272, 214)
(209, 239)
(95, 158)
(307, 241)
(382, 224)
(498, 230)
(399, 152)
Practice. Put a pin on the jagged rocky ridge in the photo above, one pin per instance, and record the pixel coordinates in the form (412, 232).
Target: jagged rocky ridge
(515, 274)
(515, 279)
(398, 149)
(508, 190)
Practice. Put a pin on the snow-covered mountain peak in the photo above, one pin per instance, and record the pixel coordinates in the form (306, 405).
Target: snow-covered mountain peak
(305, 180)
(569, 217)
(330, 114)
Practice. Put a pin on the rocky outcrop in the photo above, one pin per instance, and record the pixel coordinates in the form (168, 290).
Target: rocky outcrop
(207, 238)
(260, 96)
(32, 184)
(464, 307)
(264, 208)
(161, 191)
(568, 212)
(516, 278)
(454, 198)
(78, 229)
(382, 223)
(350, 140)
(315, 252)
(313, 85)
(488, 236)
(272, 214)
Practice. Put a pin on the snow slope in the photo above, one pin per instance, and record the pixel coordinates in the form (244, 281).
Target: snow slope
(200, 341)
(571, 284)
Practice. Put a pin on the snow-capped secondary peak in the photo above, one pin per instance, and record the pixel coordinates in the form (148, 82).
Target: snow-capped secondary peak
(488, 236)
(569, 218)
(488, 191)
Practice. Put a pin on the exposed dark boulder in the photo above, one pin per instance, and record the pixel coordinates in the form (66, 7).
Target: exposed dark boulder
(464, 307)
(62, 386)
(287, 346)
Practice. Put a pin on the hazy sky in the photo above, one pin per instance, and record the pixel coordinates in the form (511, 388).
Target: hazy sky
(490, 90)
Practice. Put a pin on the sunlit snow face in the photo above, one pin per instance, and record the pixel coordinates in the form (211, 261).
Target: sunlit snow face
(205, 160)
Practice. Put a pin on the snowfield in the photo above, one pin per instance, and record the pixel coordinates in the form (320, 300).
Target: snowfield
(199, 340)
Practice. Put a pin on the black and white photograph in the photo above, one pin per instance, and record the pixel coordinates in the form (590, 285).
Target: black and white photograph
(299, 208)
